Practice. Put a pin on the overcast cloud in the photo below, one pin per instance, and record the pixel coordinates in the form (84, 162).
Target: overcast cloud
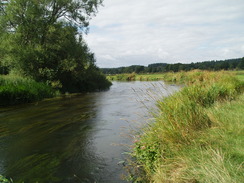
(141, 32)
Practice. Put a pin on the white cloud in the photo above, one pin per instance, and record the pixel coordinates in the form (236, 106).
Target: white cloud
(148, 31)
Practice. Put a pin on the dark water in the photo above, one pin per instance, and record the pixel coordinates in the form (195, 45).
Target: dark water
(76, 138)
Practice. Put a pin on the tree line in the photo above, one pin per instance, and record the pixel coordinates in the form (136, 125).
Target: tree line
(43, 40)
(230, 64)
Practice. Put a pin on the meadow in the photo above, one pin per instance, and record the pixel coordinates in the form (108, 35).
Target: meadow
(197, 133)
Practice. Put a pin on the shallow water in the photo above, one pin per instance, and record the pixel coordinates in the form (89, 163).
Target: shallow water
(76, 138)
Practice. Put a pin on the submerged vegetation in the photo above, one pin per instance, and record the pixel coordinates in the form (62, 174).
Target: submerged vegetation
(197, 134)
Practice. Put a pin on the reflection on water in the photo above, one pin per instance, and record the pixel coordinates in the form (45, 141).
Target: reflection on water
(70, 139)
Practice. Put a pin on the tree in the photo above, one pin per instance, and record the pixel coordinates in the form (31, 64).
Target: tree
(29, 14)
(241, 64)
(45, 39)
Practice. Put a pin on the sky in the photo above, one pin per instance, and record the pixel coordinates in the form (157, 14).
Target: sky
(142, 32)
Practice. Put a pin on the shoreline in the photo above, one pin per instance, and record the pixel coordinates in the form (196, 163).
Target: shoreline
(196, 132)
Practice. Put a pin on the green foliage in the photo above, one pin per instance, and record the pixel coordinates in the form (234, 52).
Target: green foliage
(241, 64)
(147, 153)
(185, 144)
(15, 90)
(40, 40)
(122, 77)
(90, 80)
(4, 180)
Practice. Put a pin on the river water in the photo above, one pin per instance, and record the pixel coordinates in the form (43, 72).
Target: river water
(75, 138)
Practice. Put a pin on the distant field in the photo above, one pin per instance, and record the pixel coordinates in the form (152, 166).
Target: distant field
(136, 77)
(143, 77)
(158, 76)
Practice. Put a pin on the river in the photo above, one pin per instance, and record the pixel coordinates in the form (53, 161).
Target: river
(75, 138)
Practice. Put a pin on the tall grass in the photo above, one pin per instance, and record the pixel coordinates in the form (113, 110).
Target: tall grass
(185, 142)
(16, 90)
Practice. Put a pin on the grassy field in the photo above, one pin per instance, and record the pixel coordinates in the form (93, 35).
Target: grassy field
(197, 135)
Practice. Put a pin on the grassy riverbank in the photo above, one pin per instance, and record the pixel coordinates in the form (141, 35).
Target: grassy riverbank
(197, 134)
(16, 90)
(168, 76)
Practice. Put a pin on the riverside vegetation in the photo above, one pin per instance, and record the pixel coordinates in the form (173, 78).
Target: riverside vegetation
(197, 133)
(178, 77)
(42, 46)
(16, 90)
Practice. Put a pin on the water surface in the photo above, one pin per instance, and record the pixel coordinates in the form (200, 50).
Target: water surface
(76, 138)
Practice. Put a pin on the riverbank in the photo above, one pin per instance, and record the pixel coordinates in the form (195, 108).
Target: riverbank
(197, 135)
(17, 90)
(168, 76)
